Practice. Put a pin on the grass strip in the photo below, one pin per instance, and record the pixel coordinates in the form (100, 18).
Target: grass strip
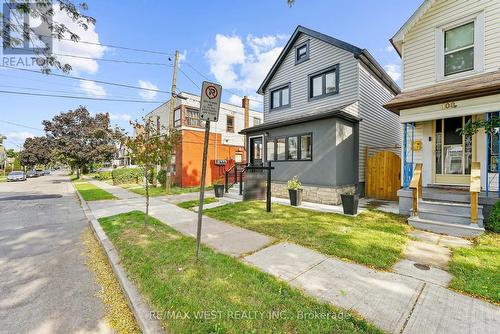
(91, 192)
(196, 202)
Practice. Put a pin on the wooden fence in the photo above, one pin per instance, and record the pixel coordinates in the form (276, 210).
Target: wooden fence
(382, 175)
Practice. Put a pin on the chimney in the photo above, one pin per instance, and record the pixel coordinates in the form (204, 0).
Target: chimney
(245, 103)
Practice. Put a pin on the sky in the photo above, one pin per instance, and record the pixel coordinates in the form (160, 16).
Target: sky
(231, 42)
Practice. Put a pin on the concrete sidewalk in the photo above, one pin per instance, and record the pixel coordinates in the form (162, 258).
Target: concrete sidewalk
(395, 303)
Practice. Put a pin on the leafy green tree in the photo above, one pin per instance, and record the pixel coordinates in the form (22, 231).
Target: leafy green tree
(149, 147)
(82, 139)
(16, 32)
(36, 151)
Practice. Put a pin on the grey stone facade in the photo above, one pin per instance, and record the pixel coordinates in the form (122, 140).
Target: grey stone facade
(314, 193)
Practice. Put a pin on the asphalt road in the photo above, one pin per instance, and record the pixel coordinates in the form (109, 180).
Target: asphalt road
(45, 286)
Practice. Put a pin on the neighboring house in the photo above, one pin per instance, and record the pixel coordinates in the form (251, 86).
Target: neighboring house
(451, 60)
(3, 155)
(122, 157)
(225, 143)
(322, 106)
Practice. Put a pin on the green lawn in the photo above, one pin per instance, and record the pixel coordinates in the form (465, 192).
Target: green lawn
(476, 271)
(91, 192)
(3, 178)
(372, 238)
(158, 191)
(196, 202)
(237, 298)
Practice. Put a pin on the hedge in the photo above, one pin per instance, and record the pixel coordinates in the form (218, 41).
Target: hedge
(493, 222)
(127, 175)
(104, 176)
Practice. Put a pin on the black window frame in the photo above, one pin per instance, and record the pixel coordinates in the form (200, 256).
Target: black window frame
(299, 147)
(280, 89)
(227, 123)
(297, 48)
(322, 73)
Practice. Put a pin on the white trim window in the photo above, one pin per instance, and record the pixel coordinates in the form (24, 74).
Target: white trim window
(460, 47)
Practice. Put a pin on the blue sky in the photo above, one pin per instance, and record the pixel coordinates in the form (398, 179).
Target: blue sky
(232, 42)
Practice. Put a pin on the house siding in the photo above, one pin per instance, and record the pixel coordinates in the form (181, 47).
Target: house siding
(322, 56)
(419, 47)
(379, 127)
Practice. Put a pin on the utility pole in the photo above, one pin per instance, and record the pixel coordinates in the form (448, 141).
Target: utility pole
(173, 94)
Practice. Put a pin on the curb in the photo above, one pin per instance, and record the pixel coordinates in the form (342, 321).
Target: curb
(141, 310)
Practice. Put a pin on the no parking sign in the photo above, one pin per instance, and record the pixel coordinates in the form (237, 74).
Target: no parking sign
(210, 101)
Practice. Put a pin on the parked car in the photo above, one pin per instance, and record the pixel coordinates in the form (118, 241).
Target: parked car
(16, 176)
(32, 173)
(46, 172)
(40, 172)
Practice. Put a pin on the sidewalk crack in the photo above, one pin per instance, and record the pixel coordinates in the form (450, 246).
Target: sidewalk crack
(413, 308)
(308, 269)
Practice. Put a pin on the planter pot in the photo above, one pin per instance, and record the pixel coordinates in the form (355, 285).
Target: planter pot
(295, 197)
(219, 190)
(350, 204)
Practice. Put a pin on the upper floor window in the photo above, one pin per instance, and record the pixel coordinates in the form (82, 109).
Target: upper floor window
(177, 117)
(459, 49)
(230, 123)
(256, 121)
(324, 83)
(280, 97)
(302, 52)
(193, 117)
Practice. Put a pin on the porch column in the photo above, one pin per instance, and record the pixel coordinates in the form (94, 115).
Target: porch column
(487, 155)
(408, 166)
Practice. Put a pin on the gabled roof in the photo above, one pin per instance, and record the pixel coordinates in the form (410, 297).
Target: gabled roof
(397, 39)
(359, 53)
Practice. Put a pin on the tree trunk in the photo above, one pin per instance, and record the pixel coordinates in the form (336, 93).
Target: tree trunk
(147, 195)
(77, 172)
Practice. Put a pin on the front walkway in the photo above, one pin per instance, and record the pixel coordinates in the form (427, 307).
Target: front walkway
(394, 302)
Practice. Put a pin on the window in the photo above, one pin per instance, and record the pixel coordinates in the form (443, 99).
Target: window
(177, 118)
(280, 149)
(493, 149)
(302, 52)
(193, 117)
(459, 49)
(324, 83)
(270, 150)
(256, 121)
(292, 148)
(280, 97)
(306, 147)
(230, 123)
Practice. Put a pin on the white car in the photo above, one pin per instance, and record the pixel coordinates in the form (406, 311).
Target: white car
(16, 176)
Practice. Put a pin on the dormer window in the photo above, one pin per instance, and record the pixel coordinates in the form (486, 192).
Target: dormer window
(459, 49)
(302, 52)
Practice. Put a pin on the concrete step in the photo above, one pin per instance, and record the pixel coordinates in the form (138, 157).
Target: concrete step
(431, 194)
(448, 217)
(456, 230)
(462, 209)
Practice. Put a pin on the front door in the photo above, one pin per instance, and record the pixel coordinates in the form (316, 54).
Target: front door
(256, 151)
(452, 152)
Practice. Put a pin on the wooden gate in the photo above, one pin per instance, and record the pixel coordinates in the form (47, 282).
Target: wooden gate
(382, 175)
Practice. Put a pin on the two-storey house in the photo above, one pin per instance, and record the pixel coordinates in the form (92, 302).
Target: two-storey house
(450, 54)
(226, 145)
(323, 103)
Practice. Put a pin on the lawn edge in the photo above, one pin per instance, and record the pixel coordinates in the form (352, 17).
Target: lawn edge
(140, 308)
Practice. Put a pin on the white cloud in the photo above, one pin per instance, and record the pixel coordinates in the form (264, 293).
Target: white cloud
(183, 56)
(147, 94)
(19, 137)
(243, 66)
(92, 89)
(390, 48)
(120, 117)
(79, 49)
(394, 71)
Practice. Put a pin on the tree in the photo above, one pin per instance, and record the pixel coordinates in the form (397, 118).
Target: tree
(15, 33)
(473, 127)
(82, 139)
(149, 147)
(36, 151)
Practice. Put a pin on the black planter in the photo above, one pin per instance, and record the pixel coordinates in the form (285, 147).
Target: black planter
(295, 197)
(219, 190)
(350, 203)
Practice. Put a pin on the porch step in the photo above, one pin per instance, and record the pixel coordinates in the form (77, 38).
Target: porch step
(456, 230)
(437, 194)
(447, 217)
(461, 209)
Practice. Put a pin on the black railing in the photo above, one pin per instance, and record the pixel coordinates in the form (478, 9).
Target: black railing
(231, 177)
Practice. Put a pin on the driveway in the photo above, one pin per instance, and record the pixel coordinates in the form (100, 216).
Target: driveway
(45, 286)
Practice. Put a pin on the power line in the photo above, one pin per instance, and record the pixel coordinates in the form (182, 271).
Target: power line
(85, 79)
(20, 125)
(78, 97)
(114, 60)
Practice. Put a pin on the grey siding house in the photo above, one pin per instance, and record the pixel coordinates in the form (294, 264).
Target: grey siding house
(323, 103)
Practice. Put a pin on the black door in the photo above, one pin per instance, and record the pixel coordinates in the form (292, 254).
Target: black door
(256, 151)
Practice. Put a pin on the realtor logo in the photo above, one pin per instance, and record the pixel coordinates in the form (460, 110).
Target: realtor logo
(24, 32)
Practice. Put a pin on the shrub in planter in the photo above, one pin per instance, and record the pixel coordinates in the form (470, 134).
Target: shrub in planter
(127, 175)
(350, 202)
(295, 191)
(219, 188)
(493, 222)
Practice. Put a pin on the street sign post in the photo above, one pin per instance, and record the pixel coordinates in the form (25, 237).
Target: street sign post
(209, 111)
